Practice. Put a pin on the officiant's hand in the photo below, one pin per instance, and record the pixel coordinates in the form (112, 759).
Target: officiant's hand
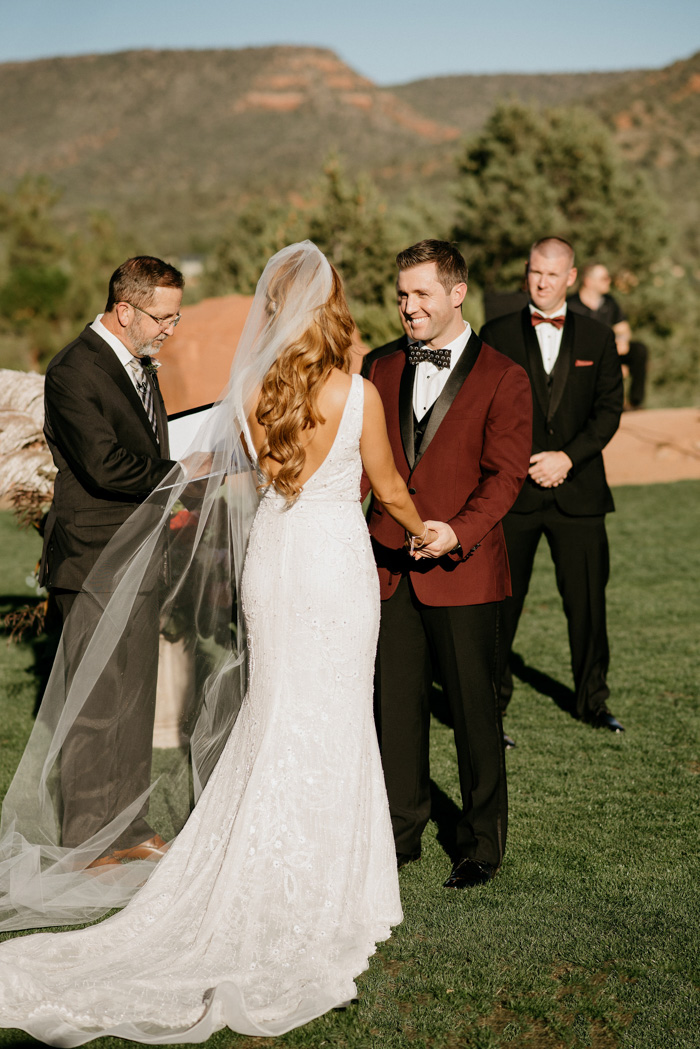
(198, 464)
(442, 540)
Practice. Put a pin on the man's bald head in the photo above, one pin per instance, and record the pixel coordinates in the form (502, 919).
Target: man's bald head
(554, 247)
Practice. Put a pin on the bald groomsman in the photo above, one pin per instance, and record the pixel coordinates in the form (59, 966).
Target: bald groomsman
(576, 379)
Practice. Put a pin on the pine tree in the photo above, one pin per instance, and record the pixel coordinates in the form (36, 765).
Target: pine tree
(530, 174)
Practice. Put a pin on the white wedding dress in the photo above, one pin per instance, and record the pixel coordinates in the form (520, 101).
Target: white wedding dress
(273, 896)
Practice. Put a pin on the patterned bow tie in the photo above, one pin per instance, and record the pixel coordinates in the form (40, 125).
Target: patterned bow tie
(440, 358)
(558, 322)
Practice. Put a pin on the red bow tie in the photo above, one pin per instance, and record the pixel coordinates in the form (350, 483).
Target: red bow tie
(558, 322)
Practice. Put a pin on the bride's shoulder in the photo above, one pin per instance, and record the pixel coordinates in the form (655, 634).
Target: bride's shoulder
(371, 393)
(336, 388)
(374, 419)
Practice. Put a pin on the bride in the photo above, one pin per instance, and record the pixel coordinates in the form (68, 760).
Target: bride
(276, 890)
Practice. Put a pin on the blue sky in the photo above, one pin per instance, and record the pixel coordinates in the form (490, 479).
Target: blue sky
(389, 41)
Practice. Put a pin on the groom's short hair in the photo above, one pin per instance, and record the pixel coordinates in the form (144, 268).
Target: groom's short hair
(136, 280)
(449, 262)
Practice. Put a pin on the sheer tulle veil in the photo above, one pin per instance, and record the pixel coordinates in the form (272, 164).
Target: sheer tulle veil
(187, 542)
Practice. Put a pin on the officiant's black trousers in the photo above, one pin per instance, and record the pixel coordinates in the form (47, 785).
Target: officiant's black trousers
(458, 646)
(106, 756)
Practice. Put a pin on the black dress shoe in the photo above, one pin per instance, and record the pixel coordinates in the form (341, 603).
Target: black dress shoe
(508, 742)
(604, 719)
(467, 872)
(403, 858)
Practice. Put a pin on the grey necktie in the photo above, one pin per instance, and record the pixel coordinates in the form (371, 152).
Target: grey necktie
(145, 392)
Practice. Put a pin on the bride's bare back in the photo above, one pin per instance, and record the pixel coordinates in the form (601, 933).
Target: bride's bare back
(317, 442)
(375, 450)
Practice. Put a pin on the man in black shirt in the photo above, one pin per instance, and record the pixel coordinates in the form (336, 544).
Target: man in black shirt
(633, 358)
(593, 298)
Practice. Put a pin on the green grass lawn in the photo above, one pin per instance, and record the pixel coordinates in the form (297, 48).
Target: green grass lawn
(589, 934)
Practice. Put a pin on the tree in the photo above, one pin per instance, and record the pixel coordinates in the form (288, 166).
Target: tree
(50, 278)
(529, 174)
(349, 224)
(346, 219)
(260, 229)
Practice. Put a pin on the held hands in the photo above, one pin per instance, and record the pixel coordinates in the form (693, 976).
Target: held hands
(439, 540)
(549, 469)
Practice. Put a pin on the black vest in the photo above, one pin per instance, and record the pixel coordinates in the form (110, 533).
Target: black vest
(548, 378)
(419, 428)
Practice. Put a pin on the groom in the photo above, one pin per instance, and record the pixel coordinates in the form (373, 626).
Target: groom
(106, 426)
(459, 417)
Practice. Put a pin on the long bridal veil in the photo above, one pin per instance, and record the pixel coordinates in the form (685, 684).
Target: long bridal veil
(186, 545)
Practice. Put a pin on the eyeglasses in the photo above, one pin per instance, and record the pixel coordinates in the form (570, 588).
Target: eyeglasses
(163, 322)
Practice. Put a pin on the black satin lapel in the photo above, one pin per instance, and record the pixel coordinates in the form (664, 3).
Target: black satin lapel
(452, 387)
(110, 363)
(562, 367)
(538, 376)
(406, 411)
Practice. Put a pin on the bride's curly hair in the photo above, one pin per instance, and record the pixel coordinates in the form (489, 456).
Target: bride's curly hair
(288, 403)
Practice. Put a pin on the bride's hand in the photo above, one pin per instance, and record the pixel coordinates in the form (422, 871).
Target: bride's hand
(416, 542)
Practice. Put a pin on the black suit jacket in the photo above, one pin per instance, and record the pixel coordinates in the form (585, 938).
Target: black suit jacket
(106, 453)
(576, 409)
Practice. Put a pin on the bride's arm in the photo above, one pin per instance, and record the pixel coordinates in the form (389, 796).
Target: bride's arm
(377, 458)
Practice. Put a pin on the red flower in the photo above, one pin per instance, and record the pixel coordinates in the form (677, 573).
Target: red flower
(182, 519)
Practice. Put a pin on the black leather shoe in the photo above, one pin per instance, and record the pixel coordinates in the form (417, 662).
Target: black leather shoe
(508, 742)
(604, 719)
(467, 872)
(403, 858)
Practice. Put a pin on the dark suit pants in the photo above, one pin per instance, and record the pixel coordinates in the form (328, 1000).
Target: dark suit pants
(579, 548)
(459, 646)
(106, 756)
(636, 361)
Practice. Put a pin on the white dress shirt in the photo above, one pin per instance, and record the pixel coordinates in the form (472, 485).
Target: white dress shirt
(124, 355)
(429, 381)
(549, 337)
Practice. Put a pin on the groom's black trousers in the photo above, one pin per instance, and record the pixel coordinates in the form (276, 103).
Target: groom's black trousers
(458, 645)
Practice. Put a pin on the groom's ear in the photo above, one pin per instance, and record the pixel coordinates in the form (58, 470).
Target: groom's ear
(458, 294)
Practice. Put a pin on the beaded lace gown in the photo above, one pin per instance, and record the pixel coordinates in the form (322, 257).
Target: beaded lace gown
(277, 889)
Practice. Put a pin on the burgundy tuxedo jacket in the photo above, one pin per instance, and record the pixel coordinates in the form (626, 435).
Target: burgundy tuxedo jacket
(468, 471)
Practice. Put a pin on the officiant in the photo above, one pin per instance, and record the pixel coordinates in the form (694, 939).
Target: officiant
(106, 427)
